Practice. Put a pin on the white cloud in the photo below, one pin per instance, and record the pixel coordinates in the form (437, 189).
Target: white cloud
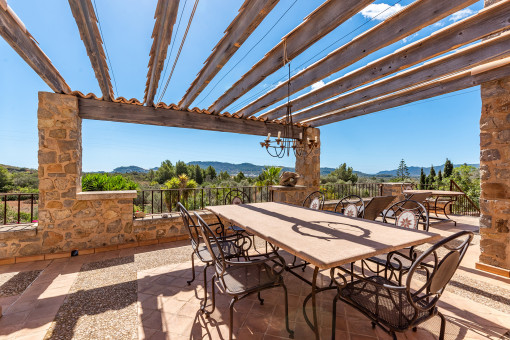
(409, 38)
(317, 85)
(380, 11)
(463, 13)
(438, 24)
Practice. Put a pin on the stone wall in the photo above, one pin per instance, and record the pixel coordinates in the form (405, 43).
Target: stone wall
(292, 195)
(495, 173)
(309, 167)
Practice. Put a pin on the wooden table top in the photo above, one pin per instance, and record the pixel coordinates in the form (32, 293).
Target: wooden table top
(435, 192)
(323, 238)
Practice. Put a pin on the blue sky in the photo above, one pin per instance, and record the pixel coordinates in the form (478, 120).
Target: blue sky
(422, 133)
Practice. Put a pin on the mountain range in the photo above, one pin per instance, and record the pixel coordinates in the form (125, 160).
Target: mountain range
(253, 170)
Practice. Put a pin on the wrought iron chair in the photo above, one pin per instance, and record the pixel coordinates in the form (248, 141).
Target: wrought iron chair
(351, 205)
(232, 246)
(398, 308)
(315, 200)
(242, 278)
(405, 214)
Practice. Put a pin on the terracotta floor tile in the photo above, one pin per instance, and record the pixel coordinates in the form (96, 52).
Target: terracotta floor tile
(361, 327)
(152, 319)
(257, 323)
(177, 324)
(171, 305)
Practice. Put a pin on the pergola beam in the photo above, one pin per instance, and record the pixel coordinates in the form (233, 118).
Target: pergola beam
(474, 77)
(129, 113)
(411, 19)
(468, 57)
(15, 33)
(320, 22)
(86, 20)
(247, 20)
(166, 14)
(488, 21)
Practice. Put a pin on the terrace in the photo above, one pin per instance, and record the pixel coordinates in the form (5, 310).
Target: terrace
(88, 268)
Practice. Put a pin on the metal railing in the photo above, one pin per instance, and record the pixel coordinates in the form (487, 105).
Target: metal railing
(16, 208)
(464, 205)
(157, 201)
(337, 191)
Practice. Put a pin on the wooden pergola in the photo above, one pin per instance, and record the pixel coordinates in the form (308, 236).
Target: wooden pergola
(409, 74)
(471, 52)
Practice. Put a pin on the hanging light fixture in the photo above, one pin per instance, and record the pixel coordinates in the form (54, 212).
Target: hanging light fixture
(286, 141)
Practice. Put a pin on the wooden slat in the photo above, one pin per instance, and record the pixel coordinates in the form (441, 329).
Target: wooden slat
(16, 35)
(411, 19)
(166, 14)
(488, 21)
(86, 20)
(320, 22)
(248, 19)
(129, 113)
(466, 58)
(431, 89)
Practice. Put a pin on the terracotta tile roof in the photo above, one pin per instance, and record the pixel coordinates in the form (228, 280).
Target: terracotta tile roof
(122, 100)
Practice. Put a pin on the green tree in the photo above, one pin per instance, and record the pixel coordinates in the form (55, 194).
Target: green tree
(439, 178)
(432, 175)
(448, 168)
(423, 179)
(165, 172)
(5, 179)
(183, 183)
(181, 168)
(199, 178)
(210, 173)
(239, 177)
(151, 175)
(105, 182)
(224, 176)
(343, 174)
(402, 171)
(269, 176)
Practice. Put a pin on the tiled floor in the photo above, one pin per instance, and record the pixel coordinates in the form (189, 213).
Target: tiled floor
(142, 293)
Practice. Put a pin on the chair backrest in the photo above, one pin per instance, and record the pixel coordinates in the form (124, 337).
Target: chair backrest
(352, 205)
(406, 186)
(213, 245)
(437, 268)
(407, 214)
(191, 227)
(315, 200)
(376, 206)
(236, 196)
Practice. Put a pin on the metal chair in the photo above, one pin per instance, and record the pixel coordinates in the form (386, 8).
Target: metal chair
(232, 246)
(315, 200)
(240, 279)
(405, 214)
(398, 308)
(352, 205)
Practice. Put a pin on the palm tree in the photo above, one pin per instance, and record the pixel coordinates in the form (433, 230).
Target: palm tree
(269, 176)
(183, 183)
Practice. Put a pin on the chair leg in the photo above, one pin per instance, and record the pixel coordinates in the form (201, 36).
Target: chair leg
(291, 332)
(294, 261)
(443, 326)
(394, 335)
(333, 321)
(230, 329)
(260, 298)
(213, 299)
(192, 268)
(205, 284)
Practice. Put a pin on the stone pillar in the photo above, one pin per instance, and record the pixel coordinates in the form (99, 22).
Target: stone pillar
(59, 167)
(309, 167)
(495, 173)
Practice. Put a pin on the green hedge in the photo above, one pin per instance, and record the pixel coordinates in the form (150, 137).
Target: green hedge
(104, 182)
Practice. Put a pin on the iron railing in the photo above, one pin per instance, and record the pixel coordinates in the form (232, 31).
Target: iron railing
(337, 191)
(18, 208)
(464, 205)
(157, 201)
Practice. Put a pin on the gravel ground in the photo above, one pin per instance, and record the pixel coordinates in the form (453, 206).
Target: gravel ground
(15, 283)
(101, 303)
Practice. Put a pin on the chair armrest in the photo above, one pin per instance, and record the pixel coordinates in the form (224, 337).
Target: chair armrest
(344, 281)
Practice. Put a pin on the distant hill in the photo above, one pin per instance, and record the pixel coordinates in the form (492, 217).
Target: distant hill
(414, 171)
(12, 168)
(250, 169)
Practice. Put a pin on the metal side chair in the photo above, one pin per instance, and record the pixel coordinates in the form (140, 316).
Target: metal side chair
(396, 307)
(244, 277)
(236, 196)
(315, 200)
(232, 246)
(352, 206)
(404, 214)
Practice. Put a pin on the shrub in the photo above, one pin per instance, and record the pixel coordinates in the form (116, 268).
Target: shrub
(103, 182)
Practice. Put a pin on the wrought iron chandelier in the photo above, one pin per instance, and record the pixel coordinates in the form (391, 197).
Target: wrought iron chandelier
(286, 141)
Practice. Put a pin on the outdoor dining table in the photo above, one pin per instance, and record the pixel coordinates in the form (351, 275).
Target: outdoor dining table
(324, 239)
(448, 196)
